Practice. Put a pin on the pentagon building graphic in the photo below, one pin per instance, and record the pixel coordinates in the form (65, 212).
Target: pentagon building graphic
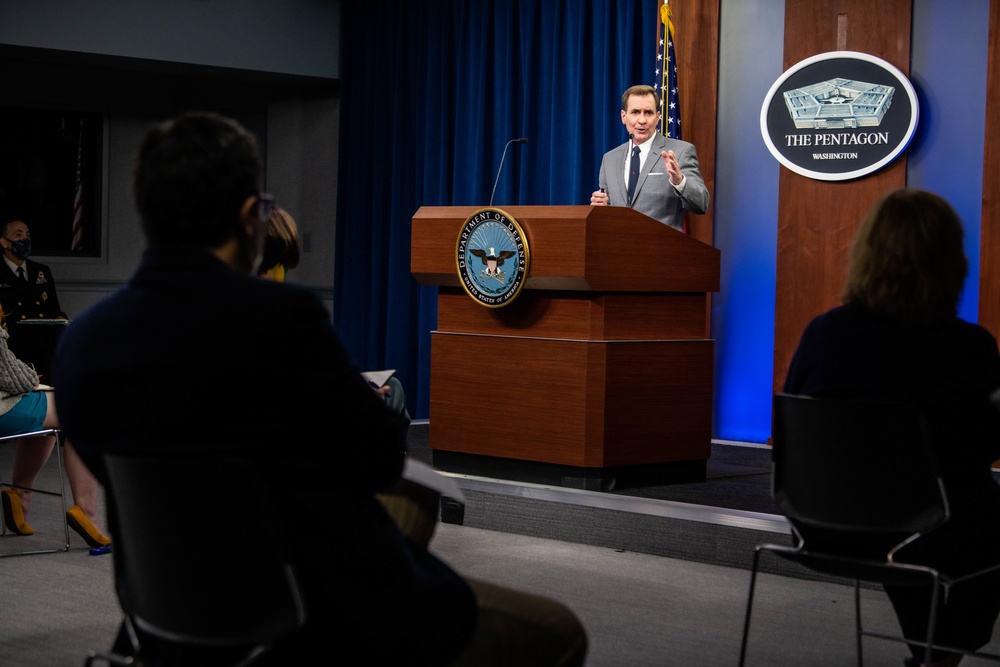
(838, 103)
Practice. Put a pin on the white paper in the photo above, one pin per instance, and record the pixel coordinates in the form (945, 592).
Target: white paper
(378, 378)
(424, 475)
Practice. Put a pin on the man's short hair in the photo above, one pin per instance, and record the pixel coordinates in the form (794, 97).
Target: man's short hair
(7, 222)
(191, 177)
(641, 91)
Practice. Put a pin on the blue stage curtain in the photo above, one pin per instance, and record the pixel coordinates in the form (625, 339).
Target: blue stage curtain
(431, 92)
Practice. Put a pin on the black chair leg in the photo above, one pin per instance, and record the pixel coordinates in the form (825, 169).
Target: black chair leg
(932, 619)
(858, 631)
(746, 621)
(111, 659)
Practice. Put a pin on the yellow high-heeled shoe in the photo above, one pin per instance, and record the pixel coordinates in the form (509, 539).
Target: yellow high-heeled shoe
(13, 514)
(79, 522)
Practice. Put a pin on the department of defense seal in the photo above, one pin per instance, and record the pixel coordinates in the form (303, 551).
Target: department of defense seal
(492, 257)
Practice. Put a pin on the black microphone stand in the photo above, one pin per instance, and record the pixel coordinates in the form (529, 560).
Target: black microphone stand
(522, 140)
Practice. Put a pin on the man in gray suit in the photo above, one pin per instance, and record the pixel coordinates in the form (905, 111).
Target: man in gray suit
(651, 173)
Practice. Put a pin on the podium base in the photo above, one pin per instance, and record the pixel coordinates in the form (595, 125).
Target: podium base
(574, 477)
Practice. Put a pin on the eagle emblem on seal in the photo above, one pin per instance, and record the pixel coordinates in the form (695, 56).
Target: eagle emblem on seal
(492, 261)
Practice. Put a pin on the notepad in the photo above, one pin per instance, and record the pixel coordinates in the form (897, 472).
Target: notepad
(378, 378)
(424, 475)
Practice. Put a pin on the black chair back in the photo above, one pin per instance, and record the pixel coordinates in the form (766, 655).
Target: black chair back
(858, 481)
(197, 559)
(856, 467)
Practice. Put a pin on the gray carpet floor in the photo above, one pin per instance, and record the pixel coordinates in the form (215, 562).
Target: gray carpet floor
(639, 609)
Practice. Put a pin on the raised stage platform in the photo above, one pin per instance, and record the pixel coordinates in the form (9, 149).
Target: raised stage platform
(718, 520)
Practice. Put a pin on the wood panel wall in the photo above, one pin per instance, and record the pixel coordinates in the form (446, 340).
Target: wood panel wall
(989, 248)
(696, 23)
(817, 219)
(813, 247)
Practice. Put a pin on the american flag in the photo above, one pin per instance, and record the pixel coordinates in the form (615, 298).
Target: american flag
(78, 197)
(666, 74)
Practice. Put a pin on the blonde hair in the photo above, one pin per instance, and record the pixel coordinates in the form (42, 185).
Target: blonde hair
(281, 245)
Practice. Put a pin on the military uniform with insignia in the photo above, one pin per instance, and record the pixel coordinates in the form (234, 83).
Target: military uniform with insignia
(27, 299)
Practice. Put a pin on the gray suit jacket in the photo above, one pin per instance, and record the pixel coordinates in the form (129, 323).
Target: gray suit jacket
(654, 195)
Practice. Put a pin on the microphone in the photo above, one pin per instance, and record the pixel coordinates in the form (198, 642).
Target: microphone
(522, 140)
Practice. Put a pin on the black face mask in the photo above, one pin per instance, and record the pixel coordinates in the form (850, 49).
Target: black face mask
(20, 248)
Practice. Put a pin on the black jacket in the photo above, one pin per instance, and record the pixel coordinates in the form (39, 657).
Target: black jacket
(192, 354)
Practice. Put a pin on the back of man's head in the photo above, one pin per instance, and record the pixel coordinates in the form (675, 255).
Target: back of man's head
(191, 177)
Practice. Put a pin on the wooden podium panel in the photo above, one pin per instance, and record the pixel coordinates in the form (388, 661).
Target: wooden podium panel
(601, 369)
(573, 403)
(578, 315)
(596, 248)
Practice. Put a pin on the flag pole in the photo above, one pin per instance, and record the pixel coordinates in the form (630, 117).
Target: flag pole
(77, 229)
(670, 109)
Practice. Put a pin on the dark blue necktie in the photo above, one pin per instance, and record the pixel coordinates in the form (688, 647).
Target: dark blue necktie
(633, 174)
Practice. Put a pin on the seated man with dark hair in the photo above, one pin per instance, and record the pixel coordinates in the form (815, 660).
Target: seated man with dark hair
(217, 359)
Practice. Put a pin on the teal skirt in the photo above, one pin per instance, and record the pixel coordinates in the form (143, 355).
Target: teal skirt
(27, 415)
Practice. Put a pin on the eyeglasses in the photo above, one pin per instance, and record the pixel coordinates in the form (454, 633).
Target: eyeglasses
(265, 204)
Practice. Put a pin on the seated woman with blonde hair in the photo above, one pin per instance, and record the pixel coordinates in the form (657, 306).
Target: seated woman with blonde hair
(26, 408)
(281, 246)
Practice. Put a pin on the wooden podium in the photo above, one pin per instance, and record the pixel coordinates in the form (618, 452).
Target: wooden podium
(598, 374)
